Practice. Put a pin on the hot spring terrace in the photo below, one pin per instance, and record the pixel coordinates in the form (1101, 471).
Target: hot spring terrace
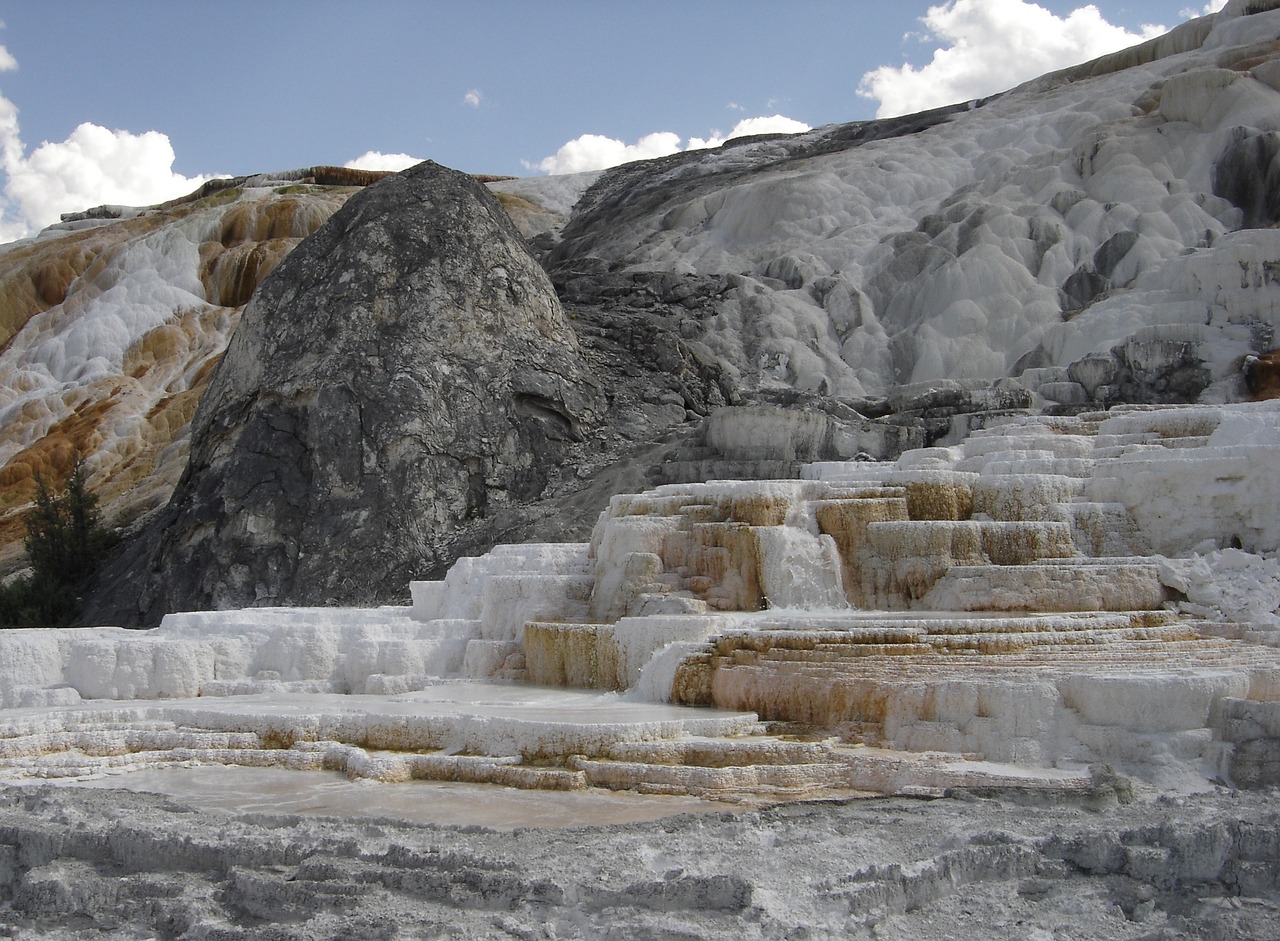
(1049, 596)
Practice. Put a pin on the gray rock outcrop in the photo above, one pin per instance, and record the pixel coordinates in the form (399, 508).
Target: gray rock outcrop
(405, 374)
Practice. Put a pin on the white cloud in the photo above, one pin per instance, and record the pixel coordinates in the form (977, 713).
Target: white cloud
(374, 160)
(992, 45)
(774, 124)
(92, 167)
(473, 97)
(1213, 6)
(596, 152)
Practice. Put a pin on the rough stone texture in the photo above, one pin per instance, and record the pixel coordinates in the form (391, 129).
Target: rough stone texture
(1248, 174)
(774, 439)
(1154, 366)
(404, 375)
(995, 865)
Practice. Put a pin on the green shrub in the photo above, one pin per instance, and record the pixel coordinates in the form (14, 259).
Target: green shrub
(65, 544)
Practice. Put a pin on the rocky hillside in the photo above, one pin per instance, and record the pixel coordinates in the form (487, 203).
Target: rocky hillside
(113, 321)
(1097, 236)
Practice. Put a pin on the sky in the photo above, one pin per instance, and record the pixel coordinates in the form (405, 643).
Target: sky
(137, 101)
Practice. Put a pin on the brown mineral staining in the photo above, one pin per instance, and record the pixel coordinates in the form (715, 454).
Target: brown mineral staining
(51, 458)
(155, 346)
(692, 684)
(846, 522)
(939, 500)
(253, 238)
(1244, 58)
(345, 176)
(32, 281)
(562, 655)
(513, 203)
(232, 275)
(54, 454)
(1262, 375)
(757, 509)
(728, 556)
(174, 412)
(282, 218)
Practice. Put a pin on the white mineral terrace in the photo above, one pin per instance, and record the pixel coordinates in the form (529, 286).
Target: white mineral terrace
(1050, 595)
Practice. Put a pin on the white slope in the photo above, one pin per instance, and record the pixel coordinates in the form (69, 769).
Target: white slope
(943, 254)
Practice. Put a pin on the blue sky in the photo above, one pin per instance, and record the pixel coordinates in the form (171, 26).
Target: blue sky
(488, 86)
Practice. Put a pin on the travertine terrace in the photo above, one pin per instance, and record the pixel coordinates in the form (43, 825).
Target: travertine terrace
(1049, 596)
(121, 388)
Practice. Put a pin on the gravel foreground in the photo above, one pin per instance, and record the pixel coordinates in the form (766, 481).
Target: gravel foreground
(79, 863)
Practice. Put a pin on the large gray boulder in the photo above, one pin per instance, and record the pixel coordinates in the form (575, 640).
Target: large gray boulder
(404, 374)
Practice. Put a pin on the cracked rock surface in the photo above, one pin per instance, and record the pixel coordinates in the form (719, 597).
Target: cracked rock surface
(403, 376)
(80, 863)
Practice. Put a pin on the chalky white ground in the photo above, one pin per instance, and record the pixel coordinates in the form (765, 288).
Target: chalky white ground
(1035, 847)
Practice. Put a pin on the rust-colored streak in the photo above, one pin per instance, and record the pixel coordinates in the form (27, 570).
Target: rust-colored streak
(31, 282)
(1262, 376)
(236, 273)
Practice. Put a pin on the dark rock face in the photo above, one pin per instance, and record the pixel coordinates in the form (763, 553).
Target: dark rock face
(403, 377)
(1151, 367)
(1248, 174)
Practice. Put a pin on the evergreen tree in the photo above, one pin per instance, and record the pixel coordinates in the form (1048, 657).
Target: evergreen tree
(65, 543)
(64, 536)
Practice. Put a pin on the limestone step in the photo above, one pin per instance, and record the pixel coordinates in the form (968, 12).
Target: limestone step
(831, 653)
(699, 471)
(1051, 585)
(908, 626)
(805, 639)
(1056, 445)
(736, 782)
(1066, 641)
(724, 752)
(1057, 644)
(1158, 647)
(889, 771)
(950, 542)
(996, 622)
(959, 663)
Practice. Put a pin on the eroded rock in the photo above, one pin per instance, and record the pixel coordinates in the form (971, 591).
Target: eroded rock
(405, 373)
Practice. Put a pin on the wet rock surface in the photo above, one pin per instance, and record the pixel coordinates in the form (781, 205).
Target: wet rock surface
(997, 864)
